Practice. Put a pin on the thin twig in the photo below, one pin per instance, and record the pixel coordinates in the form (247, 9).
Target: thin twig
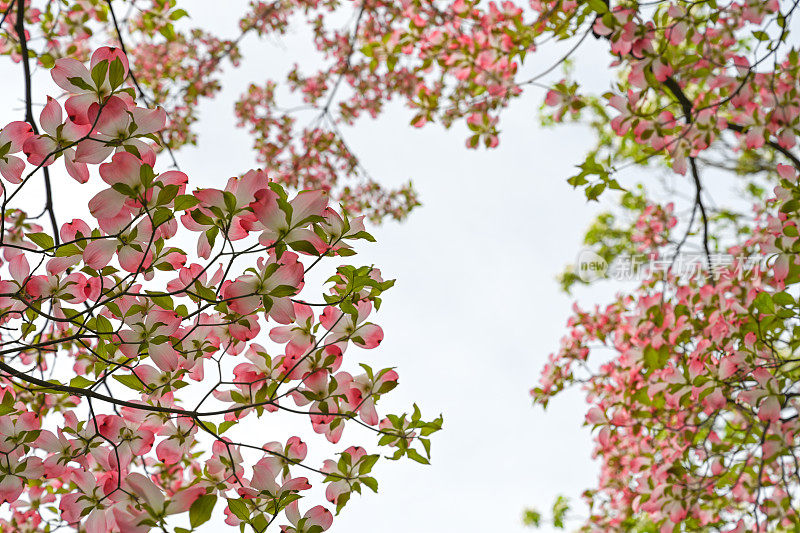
(142, 95)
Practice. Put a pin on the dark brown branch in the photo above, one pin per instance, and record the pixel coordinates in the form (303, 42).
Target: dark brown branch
(687, 107)
(88, 393)
(23, 44)
(685, 103)
(698, 187)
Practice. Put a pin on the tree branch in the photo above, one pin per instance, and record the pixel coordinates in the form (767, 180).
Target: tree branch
(698, 186)
(688, 107)
(777, 147)
(142, 95)
(23, 43)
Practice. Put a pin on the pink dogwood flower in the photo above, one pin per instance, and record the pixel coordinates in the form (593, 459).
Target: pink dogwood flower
(59, 138)
(73, 76)
(12, 139)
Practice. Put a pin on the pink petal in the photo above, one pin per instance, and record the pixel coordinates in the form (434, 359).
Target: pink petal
(37, 148)
(109, 53)
(168, 451)
(78, 171)
(51, 117)
(149, 120)
(10, 488)
(164, 356)
(114, 118)
(77, 107)
(17, 133)
(282, 310)
(320, 516)
(106, 204)
(12, 168)
(19, 268)
(123, 168)
(267, 211)
(92, 152)
(66, 68)
(308, 203)
(98, 253)
(72, 132)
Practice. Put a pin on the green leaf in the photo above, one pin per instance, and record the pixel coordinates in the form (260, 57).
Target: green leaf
(783, 298)
(531, 518)
(161, 216)
(42, 240)
(167, 194)
(763, 303)
(362, 235)
(168, 31)
(80, 83)
(163, 301)
(239, 508)
(598, 6)
(130, 381)
(368, 50)
(178, 14)
(282, 291)
(116, 73)
(122, 188)
(47, 61)
(7, 405)
(80, 382)
(370, 482)
(367, 463)
(200, 511)
(650, 357)
(201, 218)
(185, 201)
(99, 73)
(415, 455)
(6, 409)
(790, 206)
(68, 250)
(230, 201)
(146, 175)
(103, 325)
(303, 246)
(560, 510)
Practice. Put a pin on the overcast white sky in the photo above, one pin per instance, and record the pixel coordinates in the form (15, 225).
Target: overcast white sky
(476, 308)
(475, 311)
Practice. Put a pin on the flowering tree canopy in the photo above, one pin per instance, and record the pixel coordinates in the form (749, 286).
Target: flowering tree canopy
(691, 377)
(130, 367)
(694, 402)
